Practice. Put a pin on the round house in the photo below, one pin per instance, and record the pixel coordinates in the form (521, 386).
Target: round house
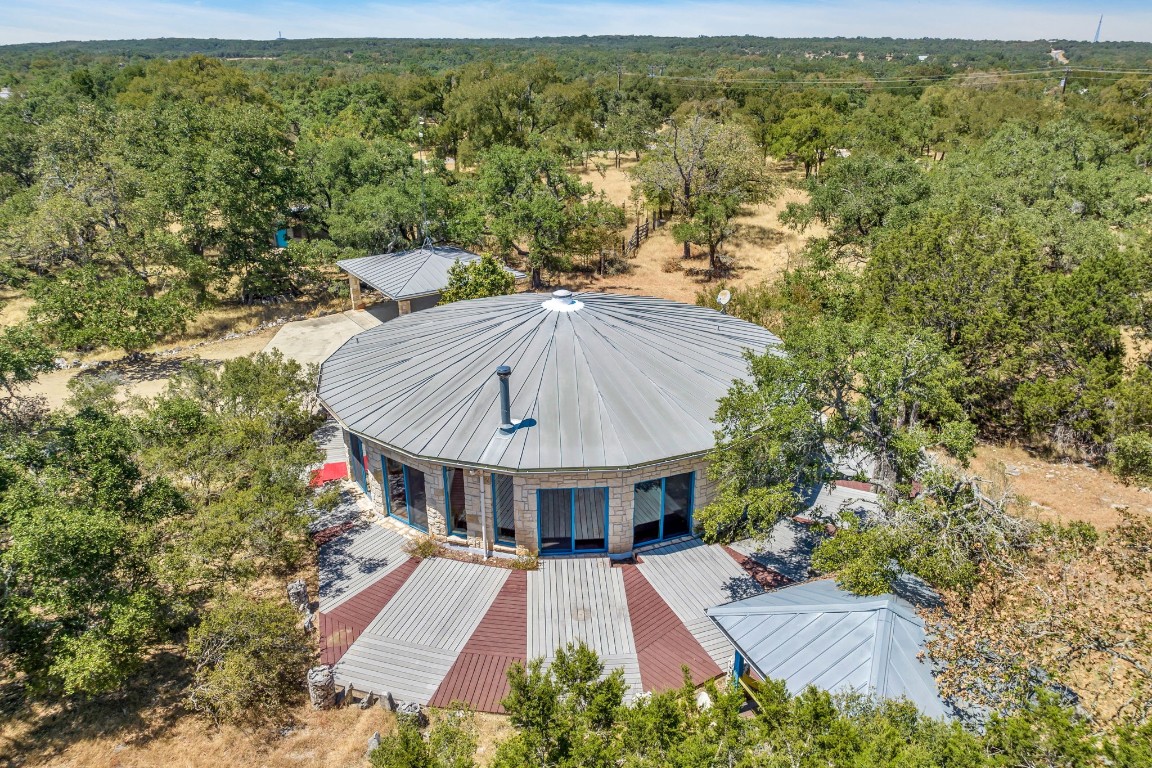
(562, 424)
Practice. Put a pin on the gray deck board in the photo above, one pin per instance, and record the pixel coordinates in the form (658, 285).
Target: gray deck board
(355, 560)
(462, 592)
(578, 599)
(631, 666)
(692, 577)
(712, 640)
(379, 664)
(629, 662)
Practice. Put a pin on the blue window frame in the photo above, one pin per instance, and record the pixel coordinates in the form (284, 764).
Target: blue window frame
(662, 508)
(572, 520)
(406, 495)
(503, 510)
(359, 463)
(455, 513)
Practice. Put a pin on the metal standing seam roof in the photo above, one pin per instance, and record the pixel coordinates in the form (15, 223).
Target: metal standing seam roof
(409, 274)
(621, 381)
(818, 634)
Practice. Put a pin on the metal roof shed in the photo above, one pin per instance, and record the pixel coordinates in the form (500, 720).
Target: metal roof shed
(408, 275)
(818, 634)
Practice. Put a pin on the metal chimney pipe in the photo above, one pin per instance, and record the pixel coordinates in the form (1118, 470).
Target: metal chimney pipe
(506, 425)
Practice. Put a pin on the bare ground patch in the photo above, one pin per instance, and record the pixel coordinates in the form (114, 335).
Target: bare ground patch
(760, 247)
(1062, 492)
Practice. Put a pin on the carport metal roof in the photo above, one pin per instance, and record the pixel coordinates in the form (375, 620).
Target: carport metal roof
(818, 634)
(409, 274)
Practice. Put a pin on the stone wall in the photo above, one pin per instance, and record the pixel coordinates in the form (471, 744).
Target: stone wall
(478, 496)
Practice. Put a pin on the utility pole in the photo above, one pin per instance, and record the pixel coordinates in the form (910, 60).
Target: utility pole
(1064, 82)
(619, 77)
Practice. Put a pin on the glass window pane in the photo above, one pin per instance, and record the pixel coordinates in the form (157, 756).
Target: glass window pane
(677, 504)
(555, 520)
(417, 498)
(398, 504)
(589, 518)
(356, 463)
(646, 512)
(503, 509)
(454, 498)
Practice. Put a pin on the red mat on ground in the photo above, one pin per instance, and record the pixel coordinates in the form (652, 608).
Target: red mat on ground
(337, 470)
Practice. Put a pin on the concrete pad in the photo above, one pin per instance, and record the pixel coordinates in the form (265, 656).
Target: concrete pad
(312, 341)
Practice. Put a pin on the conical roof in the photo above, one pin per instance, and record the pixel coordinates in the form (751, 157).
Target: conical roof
(598, 380)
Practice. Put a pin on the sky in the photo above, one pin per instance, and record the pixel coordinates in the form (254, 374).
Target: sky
(23, 21)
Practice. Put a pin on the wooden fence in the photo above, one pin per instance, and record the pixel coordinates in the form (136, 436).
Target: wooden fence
(639, 232)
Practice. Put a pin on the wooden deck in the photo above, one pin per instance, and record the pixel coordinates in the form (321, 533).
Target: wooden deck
(381, 664)
(441, 604)
(479, 675)
(573, 599)
(351, 563)
(439, 630)
(663, 644)
(414, 641)
(340, 626)
(691, 577)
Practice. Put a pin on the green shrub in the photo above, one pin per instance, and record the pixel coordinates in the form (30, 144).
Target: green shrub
(250, 657)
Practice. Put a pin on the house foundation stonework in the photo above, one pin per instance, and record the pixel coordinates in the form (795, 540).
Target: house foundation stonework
(563, 425)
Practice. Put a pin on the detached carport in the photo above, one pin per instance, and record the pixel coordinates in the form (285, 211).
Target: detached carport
(408, 280)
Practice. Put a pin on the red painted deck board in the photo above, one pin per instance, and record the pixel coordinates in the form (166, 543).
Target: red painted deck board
(340, 627)
(764, 576)
(663, 644)
(479, 675)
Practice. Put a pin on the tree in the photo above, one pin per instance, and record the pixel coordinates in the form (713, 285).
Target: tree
(478, 278)
(630, 127)
(83, 537)
(857, 195)
(837, 391)
(806, 134)
(564, 713)
(1072, 607)
(534, 206)
(250, 656)
(451, 743)
(238, 441)
(84, 309)
(706, 170)
(948, 534)
(23, 357)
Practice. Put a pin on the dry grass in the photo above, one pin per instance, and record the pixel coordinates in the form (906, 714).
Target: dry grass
(760, 246)
(149, 376)
(146, 727)
(1061, 492)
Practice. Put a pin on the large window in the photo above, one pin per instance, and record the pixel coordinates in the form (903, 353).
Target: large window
(503, 511)
(573, 520)
(456, 518)
(407, 499)
(663, 508)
